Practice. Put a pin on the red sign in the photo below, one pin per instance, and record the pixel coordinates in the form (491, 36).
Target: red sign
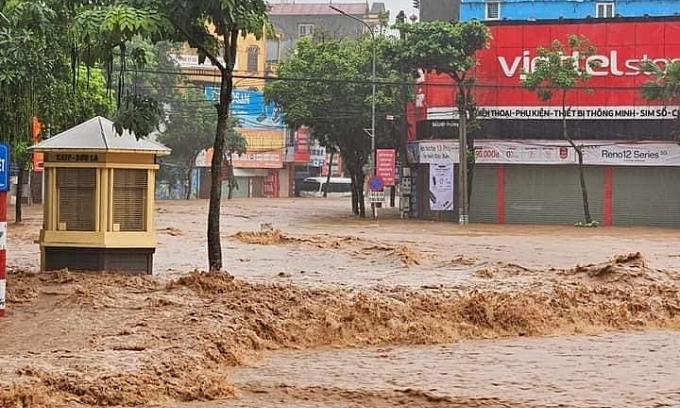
(385, 162)
(303, 138)
(621, 46)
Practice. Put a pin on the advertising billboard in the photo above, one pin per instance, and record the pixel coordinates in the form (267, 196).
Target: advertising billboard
(249, 108)
(621, 46)
(265, 150)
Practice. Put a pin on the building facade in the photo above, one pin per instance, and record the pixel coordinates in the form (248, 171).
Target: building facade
(294, 21)
(566, 9)
(438, 10)
(525, 172)
(262, 171)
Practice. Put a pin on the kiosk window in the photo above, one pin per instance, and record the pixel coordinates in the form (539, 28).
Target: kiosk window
(76, 189)
(129, 199)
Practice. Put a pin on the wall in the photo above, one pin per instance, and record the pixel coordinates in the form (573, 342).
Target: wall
(552, 9)
(439, 10)
(336, 26)
(207, 73)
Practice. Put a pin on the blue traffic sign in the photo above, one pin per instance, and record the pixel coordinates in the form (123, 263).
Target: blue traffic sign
(4, 168)
(376, 183)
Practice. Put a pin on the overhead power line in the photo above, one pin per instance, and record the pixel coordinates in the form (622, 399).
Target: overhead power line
(368, 81)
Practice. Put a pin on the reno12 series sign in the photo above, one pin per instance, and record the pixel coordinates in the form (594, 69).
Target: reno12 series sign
(621, 46)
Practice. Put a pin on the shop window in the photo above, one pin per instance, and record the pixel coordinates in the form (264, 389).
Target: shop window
(493, 10)
(76, 189)
(129, 199)
(604, 10)
(253, 58)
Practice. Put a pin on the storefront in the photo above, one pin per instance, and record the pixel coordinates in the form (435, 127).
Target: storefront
(259, 173)
(525, 171)
(537, 182)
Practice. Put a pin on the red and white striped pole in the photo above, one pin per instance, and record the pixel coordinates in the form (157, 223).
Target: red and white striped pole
(4, 187)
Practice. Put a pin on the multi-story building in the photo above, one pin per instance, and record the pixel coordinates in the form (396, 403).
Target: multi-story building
(489, 10)
(262, 171)
(293, 21)
(493, 10)
(525, 171)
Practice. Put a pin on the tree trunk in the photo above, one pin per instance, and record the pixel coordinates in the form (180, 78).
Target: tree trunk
(360, 190)
(579, 155)
(214, 241)
(18, 213)
(187, 194)
(584, 190)
(328, 176)
(230, 186)
(355, 196)
(393, 195)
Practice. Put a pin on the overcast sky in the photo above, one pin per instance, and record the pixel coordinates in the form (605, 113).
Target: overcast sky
(392, 5)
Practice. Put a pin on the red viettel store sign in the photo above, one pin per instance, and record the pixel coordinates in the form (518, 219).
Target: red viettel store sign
(621, 46)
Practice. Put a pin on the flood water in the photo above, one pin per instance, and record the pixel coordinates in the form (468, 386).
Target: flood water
(328, 248)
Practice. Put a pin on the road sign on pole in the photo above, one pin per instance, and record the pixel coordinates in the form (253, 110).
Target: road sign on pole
(4, 188)
(376, 183)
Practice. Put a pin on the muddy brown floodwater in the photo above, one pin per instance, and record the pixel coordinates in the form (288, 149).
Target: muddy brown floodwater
(327, 310)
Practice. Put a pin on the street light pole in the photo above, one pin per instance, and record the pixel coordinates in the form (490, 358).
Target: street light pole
(374, 208)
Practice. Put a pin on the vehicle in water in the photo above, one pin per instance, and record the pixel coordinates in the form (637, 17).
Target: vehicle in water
(337, 187)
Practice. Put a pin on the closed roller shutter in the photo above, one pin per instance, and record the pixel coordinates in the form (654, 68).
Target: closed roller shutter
(239, 191)
(483, 202)
(129, 199)
(646, 196)
(551, 194)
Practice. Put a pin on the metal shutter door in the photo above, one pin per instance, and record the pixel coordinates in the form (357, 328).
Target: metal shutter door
(483, 202)
(551, 194)
(646, 196)
(129, 199)
(76, 198)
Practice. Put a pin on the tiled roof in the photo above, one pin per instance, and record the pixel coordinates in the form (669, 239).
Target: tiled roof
(297, 9)
(98, 134)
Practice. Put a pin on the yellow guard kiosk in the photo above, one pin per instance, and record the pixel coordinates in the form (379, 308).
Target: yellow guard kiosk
(99, 200)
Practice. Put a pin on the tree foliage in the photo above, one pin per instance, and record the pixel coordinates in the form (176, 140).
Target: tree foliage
(450, 49)
(36, 78)
(442, 47)
(563, 68)
(213, 27)
(664, 87)
(337, 106)
(189, 130)
(560, 68)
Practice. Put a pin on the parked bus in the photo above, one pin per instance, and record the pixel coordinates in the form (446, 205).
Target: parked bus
(314, 186)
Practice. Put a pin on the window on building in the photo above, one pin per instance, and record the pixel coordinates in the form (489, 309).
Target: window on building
(604, 10)
(253, 58)
(306, 30)
(76, 189)
(129, 199)
(493, 10)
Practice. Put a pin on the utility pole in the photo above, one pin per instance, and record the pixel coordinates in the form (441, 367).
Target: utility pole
(374, 208)
(463, 217)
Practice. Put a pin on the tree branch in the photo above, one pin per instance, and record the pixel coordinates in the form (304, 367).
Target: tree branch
(202, 48)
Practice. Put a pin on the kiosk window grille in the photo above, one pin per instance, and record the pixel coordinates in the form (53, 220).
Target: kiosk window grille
(76, 189)
(129, 199)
